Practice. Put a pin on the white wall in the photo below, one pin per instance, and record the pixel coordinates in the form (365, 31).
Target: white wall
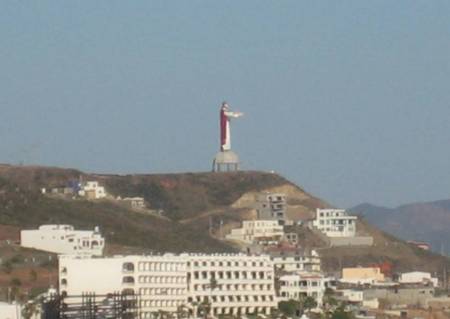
(311, 284)
(163, 285)
(99, 275)
(417, 277)
(10, 311)
(63, 239)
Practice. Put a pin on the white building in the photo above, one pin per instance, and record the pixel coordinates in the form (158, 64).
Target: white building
(257, 231)
(63, 239)
(134, 202)
(297, 262)
(92, 190)
(10, 311)
(418, 277)
(353, 295)
(231, 284)
(335, 223)
(293, 286)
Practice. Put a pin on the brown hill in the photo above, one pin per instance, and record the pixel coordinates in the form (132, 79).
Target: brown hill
(199, 209)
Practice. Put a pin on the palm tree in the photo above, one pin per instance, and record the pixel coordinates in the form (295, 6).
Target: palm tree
(308, 303)
(329, 302)
(182, 312)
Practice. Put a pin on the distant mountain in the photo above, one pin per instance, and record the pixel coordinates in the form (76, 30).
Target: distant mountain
(427, 221)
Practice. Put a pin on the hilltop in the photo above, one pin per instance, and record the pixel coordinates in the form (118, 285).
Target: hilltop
(197, 209)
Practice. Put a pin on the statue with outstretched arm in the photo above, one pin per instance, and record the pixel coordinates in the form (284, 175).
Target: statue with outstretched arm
(225, 133)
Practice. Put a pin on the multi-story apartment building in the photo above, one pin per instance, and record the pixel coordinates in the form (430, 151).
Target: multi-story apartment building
(227, 284)
(297, 261)
(257, 231)
(293, 286)
(335, 223)
(233, 284)
(271, 206)
(64, 239)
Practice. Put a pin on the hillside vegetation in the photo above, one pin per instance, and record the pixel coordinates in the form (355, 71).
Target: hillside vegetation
(198, 210)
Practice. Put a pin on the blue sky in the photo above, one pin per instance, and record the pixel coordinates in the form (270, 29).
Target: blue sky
(349, 99)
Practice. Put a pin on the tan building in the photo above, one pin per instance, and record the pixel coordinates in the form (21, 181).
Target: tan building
(362, 275)
(257, 231)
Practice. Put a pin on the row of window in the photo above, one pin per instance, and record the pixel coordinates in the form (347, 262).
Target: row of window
(231, 275)
(161, 303)
(174, 266)
(162, 291)
(162, 279)
(301, 283)
(333, 214)
(161, 266)
(236, 287)
(337, 222)
(235, 263)
(338, 229)
(232, 298)
(297, 295)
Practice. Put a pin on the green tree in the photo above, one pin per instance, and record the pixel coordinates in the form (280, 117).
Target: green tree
(289, 308)
(182, 312)
(340, 313)
(308, 303)
(329, 300)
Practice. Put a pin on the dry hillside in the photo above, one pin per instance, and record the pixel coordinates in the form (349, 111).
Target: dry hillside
(194, 206)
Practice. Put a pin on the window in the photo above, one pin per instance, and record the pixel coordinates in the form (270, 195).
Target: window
(128, 267)
(128, 280)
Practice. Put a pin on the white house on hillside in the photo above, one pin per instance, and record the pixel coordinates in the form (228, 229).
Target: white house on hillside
(335, 223)
(63, 239)
(92, 190)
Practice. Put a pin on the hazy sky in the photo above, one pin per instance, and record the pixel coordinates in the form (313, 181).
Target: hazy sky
(349, 99)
